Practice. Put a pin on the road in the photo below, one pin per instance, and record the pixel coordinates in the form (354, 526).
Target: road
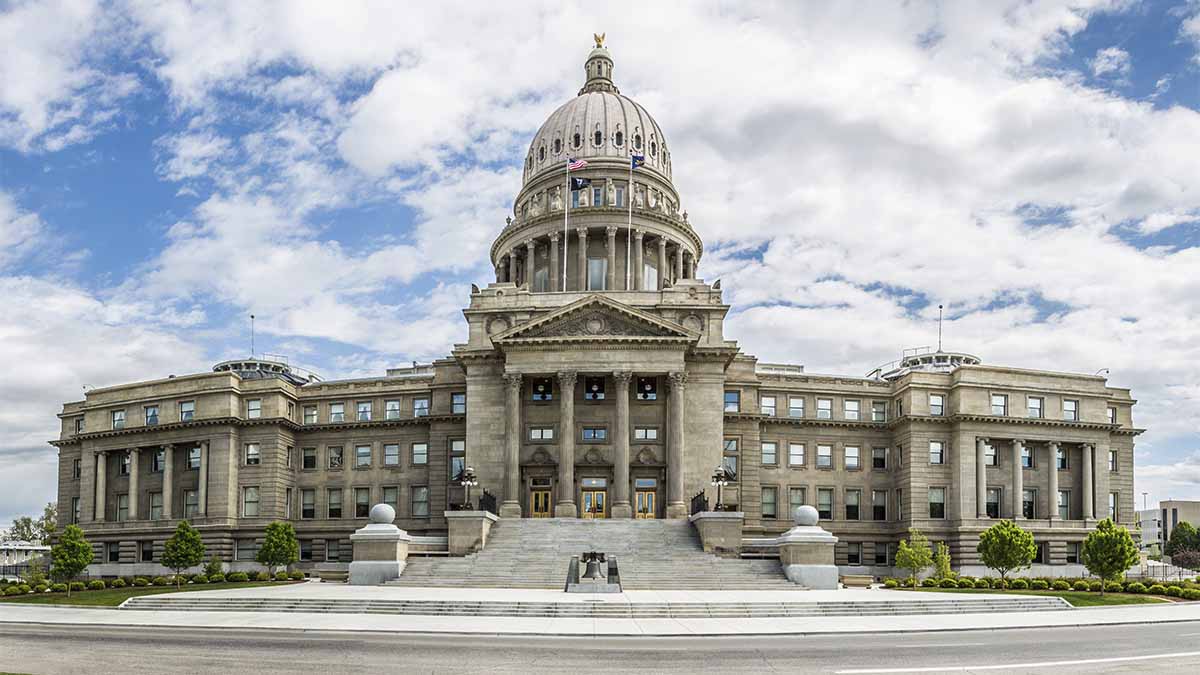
(47, 650)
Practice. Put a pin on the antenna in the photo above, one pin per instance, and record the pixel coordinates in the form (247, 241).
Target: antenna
(939, 328)
(251, 336)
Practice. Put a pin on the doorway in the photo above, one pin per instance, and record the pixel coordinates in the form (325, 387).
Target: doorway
(595, 504)
(645, 491)
(540, 503)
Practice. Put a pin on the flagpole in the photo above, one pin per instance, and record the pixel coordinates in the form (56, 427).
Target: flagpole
(629, 227)
(566, 210)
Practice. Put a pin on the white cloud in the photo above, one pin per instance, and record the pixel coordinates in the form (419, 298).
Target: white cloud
(19, 231)
(1171, 480)
(1112, 62)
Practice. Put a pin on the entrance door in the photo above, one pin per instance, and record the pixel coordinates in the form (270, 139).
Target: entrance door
(594, 504)
(645, 505)
(540, 501)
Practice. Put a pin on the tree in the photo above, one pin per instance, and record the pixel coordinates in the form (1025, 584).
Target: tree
(279, 547)
(183, 550)
(49, 522)
(34, 530)
(914, 555)
(1109, 551)
(71, 555)
(1183, 538)
(1005, 547)
(941, 561)
(1186, 559)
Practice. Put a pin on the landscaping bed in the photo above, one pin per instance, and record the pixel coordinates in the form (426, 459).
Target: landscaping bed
(1078, 592)
(1076, 598)
(99, 593)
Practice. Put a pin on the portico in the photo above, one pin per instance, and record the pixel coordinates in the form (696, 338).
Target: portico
(1022, 467)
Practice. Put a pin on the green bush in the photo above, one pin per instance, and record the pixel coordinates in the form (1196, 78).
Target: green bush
(13, 590)
(97, 585)
(58, 588)
(238, 576)
(1114, 587)
(42, 588)
(1039, 584)
(160, 581)
(906, 582)
(199, 579)
(281, 575)
(970, 579)
(929, 583)
(982, 583)
(1082, 585)
(1000, 584)
(25, 588)
(141, 581)
(296, 576)
(1174, 591)
(1136, 587)
(891, 583)
(1018, 584)
(117, 583)
(948, 583)
(216, 578)
(1157, 589)
(1096, 585)
(262, 576)
(78, 586)
(1191, 594)
(966, 583)
(1061, 585)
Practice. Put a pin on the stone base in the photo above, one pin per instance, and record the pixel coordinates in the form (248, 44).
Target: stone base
(816, 577)
(467, 531)
(565, 510)
(590, 587)
(720, 531)
(621, 510)
(510, 510)
(677, 510)
(375, 572)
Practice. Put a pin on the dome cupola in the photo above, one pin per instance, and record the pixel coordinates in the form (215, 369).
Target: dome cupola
(599, 67)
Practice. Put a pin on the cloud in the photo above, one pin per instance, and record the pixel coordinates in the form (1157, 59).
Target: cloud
(1172, 480)
(20, 232)
(1111, 62)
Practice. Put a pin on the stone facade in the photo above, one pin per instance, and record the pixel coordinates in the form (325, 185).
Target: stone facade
(596, 381)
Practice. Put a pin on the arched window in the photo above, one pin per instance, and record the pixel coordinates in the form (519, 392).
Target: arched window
(637, 141)
(542, 154)
(598, 138)
(557, 146)
(577, 140)
(619, 139)
(653, 148)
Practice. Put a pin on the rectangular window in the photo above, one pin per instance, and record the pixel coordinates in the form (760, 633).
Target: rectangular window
(1070, 410)
(768, 502)
(541, 433)
(79, 425)
(1112, 415)
(75, 510)
(733, 401)
(878, 411)
(113, 550)
(287, 503)
(769, 453)
(593, 388)
(420, 453)
(125, 461)
(362, 502)
(458, 403)
(250, 502)
(647, 388)
(334, 508)
(287, 455)
(854, 553)
(595, 433)
(937, 452)
(937, 405)
(1064, 504)
(391, 497)
(420, 407)
(118, 419)
(990, 458)
(306, 550)
(193, 458)
(597, 270)
(850, 410)
(362, 456)
(1000, 404)
(878, 458)
(937, 502)
(1037, 406)
(797, 497)
(253, 454)
(824, 408)
(191, 503)
(824, 456)
(1060, 457)
(542, 389)
(853, 498)
(1029, 503)
(620, 195)
(796, 454)
(1112, 506)
(597, 196)
(76, 469)
(122, 508)
(766, 405)
(851, 457)
(391, 409)
(147, 551)
(645, 433)
(187, 411)
(254, 408)
(308, 504)
(458, 457)
(156, 506)
(333, 550)
(1073, 549)
(899, 504)
(151, 412)
(729, 456)
(795, 406)
(309, 458)
(391, 454)
(246, 550)
(879, 502)
(310, 414)
(825, 503)
(1112, 460)
(337, 412)
(420, 502)
(157, 461)
(363, 411)
(881, 553)
(335, 456)
(1026, 457)
(993, 502)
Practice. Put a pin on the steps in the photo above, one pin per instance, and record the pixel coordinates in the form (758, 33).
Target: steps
(651, 555)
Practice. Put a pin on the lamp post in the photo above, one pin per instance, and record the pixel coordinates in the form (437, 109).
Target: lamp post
(466, 478)
(720, 479)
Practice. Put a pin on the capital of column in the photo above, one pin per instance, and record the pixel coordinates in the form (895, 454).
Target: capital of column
(582, 232)
(611, 231)
(167, 446)
(677, 381)
(567, 378)
(1020, 442)
(530, 244)
(554, 237)
(982, 441)
(513, 381)
(622, 377)
(1088, 446)
(1054, 445)
(639, 234)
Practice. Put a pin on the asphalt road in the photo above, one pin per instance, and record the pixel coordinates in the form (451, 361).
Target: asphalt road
(1172, 647)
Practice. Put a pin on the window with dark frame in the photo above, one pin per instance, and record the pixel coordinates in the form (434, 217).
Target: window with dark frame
(309, 458)
(733, 401)
(647, 388)
(593, 388)
(878, 458)
(853, 499)
(541, 389)
(937, 502)
(825, 503)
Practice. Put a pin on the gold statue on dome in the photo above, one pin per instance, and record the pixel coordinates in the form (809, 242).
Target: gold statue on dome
(599, 40)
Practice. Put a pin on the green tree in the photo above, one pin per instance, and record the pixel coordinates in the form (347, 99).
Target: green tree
(914, 555)
(49, 522)
(1109, 551)
(1183, 538)
(183, 550)
(71, 555)
(279, 547)
(1005, 547)
(214, 566)
(941, 561)
(34, 530)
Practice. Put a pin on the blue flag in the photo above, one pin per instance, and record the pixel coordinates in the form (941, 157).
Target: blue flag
(637, 160)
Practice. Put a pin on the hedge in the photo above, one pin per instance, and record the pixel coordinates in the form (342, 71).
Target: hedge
(78, 586)
(1039, 584)
(982, 583)
(891, 583)
(141, 581)
(1095, 585)
(296, 576)
(58, 588)
(1191, 594)
(238, 576)
(1175, 591)
(1114, 587)
(262, 576)
(41, 588)
(160, 581)
(1136, 587)
(199, 579)
(216, 578)
(281, 575)
(1061, 585)
(948, 583)
(1157, 589)
(13, 590)
(97, 585)
(117, 583)
(1018, 584)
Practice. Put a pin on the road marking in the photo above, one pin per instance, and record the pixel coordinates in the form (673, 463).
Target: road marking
(1014, 666)
(941, 644)
(1189, 634)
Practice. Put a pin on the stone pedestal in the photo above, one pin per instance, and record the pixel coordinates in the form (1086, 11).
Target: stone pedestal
(806, 552)
(380, 549)
(467, 531)
(720, 531)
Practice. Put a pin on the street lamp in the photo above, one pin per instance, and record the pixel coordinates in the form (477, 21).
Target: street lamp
(720, 479)
(466, 478)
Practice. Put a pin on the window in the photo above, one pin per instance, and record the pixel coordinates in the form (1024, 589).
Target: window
(770, 452)
(733, 401)
(594, 433)
(363, 411)
(990, 458)
(541, 433)
(899, 504)
(1112, 415)
(878, 458)
(937, 502)
(308, 458)
(1000, 404)
(335, 456)
(1037, 406)
(795, 406)
(1029, 503)
(881, 553)
(1026, 457)
(156, 506)
(291, 410)
(420, 502)
(851, 457)
(76, 469)
(308, 504)
(337, 412)
(458, 403)
(878, 411)
(122, 508)
(362, 455)
(824, 408)
(1112, 460)
(766, 405)
(937, 452)
(593, 388)
(796, 454)
(597, 270)
(992, 506)
(854, 553)
(937, 405)
(287, 503)
(420, 453)
(287, 454)
(1060, 457)
(542, 389)
(333, 550)
(191, 503)
(334, 505)
(729, 456)
(114, 551)
(79, 425)
(246, 550)
(151, 415)
(1073, 552)
(1070, 410)
(254, 408)
(825, 503)
(647, 388)
(1064, 504)
(306, 550)
(147, 551)
(123, 467)
(899, 407)
(158, 461)
(253, 454)
(797, 497)
(420, 407)
(391, 454)
(645, 433)
(1112, 506)
(769, 495)
(598, 194)
(598, 138)
(853, 497)
(850, 410)
(391, 497)
(824, 456)
(250, 502)
(458, 457)
(879, 504)
(118, 419)
(362, 502)
(310, 414)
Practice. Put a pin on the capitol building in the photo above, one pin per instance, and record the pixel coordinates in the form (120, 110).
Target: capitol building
(597, 382)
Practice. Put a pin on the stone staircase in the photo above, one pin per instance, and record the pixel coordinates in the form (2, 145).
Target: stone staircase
(651, 555)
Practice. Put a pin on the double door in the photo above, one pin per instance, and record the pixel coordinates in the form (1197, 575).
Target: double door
(645, 505)
(539, 502)
(595, 504)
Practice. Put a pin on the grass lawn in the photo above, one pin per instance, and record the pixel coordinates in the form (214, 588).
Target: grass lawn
(1076, 598)
(111, 597)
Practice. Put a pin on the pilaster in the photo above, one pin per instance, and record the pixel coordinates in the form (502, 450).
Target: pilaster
(565, 508)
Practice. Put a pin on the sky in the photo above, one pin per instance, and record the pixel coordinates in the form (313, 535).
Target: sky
(340, 170)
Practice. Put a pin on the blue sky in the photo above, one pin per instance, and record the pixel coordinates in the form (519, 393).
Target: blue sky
(340, 169)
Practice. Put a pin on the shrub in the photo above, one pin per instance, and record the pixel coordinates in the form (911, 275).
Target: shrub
(1061, 585)
(262, 576)
(1175, 591)
(1136, 587)
(117, 583)
(1018, 584)
(25, 588)
(1039, 584)
(982, 583)
(97, 585)
(77, 586)
(297, 575)
(1157, 589)
(214, 567)
(966, 583)
(141, 581)
(216, 578)
(199, 579)
(1082, 585)
(970, 579)
(1096, 585)
(1113, 587)
(238, 576)
(929, 583)
(13, 590)
(907, 582)
(948, 583)
(160, 581)
(42, 588)
(1191, 594)
(999, 584)
(891, 583)
(281, 575)
(58, 588)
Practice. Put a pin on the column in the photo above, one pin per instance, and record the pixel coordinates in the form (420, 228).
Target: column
(676, 507)
(1089, 498)
(582, 232)
(662, 263)
(678, 262)
(565, 508)
(689, 266)
(639, 268)
(511, 508)
(555, 281)
(621, 507)
(500, 271)
(610, 280)
(1018, 487)
(981, 477)
(530, 250)
(512, 266)
(1053, 486)
(101, 485)
(168, 484)
(202, 480)
(134, 457)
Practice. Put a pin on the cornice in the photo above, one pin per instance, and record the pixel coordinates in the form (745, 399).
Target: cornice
(520, 229)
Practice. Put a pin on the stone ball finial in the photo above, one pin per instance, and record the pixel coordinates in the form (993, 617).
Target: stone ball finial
(382, 514)
(805, 515)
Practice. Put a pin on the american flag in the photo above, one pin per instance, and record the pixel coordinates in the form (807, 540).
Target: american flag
(574, 164)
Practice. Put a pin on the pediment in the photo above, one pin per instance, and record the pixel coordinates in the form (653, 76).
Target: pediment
(597, 318)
